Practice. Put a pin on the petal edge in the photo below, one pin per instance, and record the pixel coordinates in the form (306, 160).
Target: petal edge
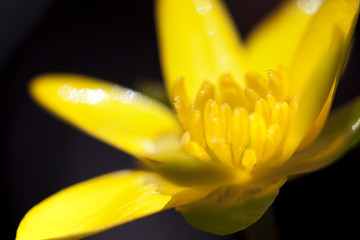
(101, 203)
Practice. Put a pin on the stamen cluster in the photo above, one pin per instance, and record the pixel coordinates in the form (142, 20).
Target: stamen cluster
(234, 125)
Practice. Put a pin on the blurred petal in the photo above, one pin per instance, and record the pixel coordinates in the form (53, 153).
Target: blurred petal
(101, 203)
(231, 208)
(120, 117)
(341, 133)
(318, 39)
(198, 41)
(274, 41)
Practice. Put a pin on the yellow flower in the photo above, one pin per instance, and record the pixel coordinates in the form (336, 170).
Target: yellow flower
(250, 114)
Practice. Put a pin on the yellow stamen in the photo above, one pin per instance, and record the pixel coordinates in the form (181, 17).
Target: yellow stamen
(206, 92)
(249, 159)
(257, 82)
(239, 132)
(273, 139)
(225, 115)
(277, 83)
(197, 128)
(263, 109)
(193, 148)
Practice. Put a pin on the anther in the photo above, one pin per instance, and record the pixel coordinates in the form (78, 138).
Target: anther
(206, 92)
(257, 83)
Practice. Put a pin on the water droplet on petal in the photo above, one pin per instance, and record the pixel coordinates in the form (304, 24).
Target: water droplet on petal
(203, 6)
(309, 6)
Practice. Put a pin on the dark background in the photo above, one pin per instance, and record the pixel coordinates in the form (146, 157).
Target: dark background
(115, 40)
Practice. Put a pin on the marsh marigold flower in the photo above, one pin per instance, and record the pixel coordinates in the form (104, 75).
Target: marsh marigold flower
(248, 115)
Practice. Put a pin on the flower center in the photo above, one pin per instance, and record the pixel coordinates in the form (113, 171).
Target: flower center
(234, 126)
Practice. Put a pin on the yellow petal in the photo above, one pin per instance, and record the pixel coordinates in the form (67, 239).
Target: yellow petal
(121, 117)
(198, 41)
(318, 62)
(274, 41)
(319, 122)
(341, 133)
(318, 38)
(313, 98)
(101, 203)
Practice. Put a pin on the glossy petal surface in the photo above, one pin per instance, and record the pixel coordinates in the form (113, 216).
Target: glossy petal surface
(198, 42)
(118, 116)
(102, 203)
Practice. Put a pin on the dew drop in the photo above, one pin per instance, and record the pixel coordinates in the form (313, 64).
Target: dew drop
(309, 6)
(203, 6)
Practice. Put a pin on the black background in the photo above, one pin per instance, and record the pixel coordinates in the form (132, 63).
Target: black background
(116, 40)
